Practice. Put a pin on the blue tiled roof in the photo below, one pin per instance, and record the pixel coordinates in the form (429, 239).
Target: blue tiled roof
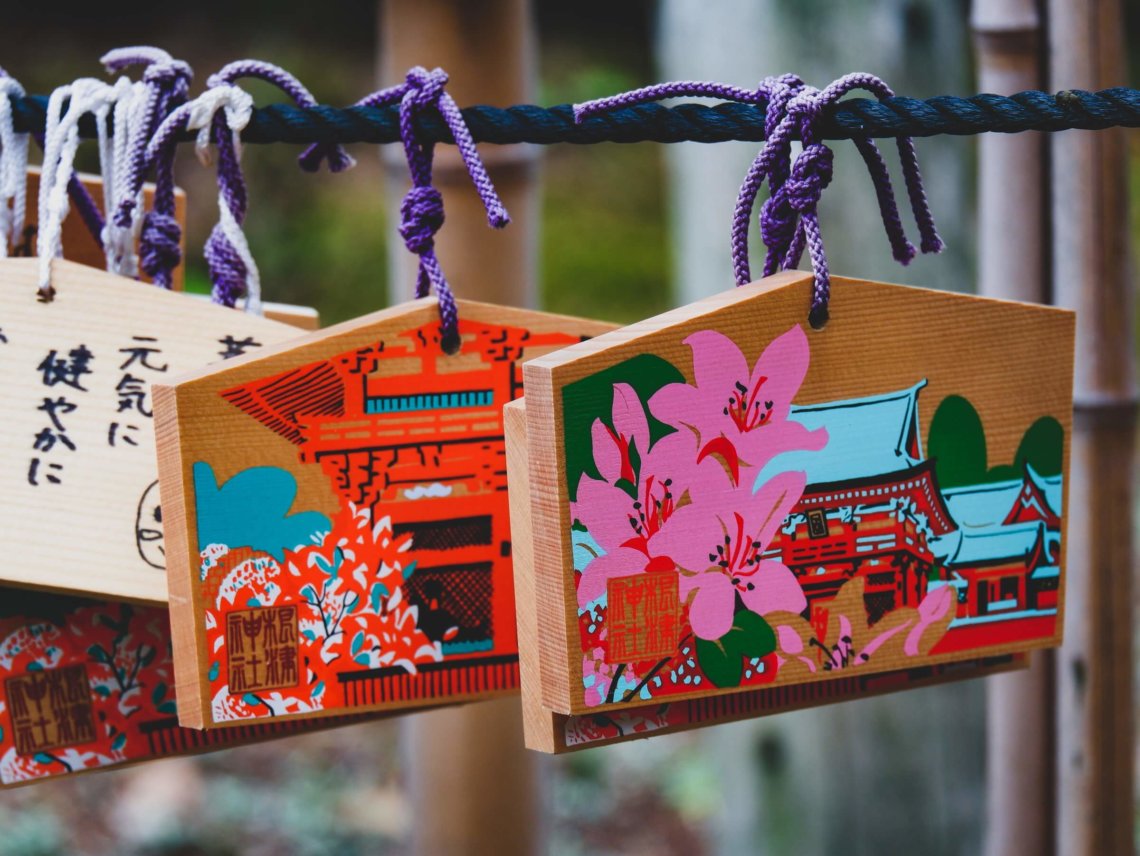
(866, 437)
(985, 505)
(981, 506)
(966, 547)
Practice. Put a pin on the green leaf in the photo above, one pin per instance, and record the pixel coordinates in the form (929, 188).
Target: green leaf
(96, 653)
(215, 668)
(159, 693)
(721, 665)
(44, 758)
(756, 638)
(357, 643)
(722, 660)
(168, 707)
(119, 742)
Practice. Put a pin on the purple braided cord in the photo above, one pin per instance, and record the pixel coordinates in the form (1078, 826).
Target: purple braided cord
(310, 159)
(789, 221)
(421, 211)
(168, 84)
(227, 270)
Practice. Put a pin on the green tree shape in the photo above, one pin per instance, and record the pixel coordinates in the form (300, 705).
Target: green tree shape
(252, 510)
(957, 444)
(722, 660)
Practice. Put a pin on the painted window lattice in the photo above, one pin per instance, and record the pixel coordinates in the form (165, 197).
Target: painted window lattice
(765, 540)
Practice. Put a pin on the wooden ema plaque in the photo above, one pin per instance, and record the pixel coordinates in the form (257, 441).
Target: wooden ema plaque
(547, 731)
(89, 685)
(78, 484)
(79, 245)
(336, 516)
(797, 506)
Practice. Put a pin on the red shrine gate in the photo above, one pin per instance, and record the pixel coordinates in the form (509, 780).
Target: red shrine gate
(870, 507)
(417, 435)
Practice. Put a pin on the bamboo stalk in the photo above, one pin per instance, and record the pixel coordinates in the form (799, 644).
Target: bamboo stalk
(1012, 222)
(1094, 670)
(473, 785)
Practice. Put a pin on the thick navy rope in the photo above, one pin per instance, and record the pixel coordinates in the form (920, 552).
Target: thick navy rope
(526, 123)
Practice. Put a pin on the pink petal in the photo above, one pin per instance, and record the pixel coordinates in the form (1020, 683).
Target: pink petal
(717, 364)
(629, 417)
(932, 610)
(622, 562)
(671, 457)
(784, 363)
(688, 536)
(880, 640)
(604, 510)
(772, 503)
(677, 404)
(776, 590)
(788, 639)
(607, 457)
(710, 614)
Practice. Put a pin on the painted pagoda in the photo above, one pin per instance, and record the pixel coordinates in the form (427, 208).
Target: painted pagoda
(873, 508)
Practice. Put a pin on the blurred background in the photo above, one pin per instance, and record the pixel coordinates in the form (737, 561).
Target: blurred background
(624, 232)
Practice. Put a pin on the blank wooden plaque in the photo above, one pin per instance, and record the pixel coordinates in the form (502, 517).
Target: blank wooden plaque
(902, 560)
(547, 731)
(336, 516)
(79, 245)
(78, 482)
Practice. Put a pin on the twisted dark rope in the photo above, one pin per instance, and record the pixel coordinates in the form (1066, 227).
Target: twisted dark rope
(527, 123)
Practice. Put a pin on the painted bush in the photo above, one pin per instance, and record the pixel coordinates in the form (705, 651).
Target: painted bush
(344, 581)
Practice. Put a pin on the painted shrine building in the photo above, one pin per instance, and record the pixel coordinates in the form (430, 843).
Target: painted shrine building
(417, 435)
(873, 509)
(1004, 558)
(870, 508)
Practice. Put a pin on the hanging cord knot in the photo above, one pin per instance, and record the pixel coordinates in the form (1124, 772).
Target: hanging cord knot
(421, 216)
(425, 87)
(789, 222)
(310, 159)
(164, 85)
(219, 115)
(811, 174)
(66, 106)
(13, 168)
(421, 211)
(160, 248)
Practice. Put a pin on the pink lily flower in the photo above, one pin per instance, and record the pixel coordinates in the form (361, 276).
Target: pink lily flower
(625, 525)
(718, 541)
(741, 413)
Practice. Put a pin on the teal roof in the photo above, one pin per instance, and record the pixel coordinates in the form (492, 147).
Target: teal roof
(965, 547)
(1050, 486)
(984, 505)
(867, 437)
(981, 506)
